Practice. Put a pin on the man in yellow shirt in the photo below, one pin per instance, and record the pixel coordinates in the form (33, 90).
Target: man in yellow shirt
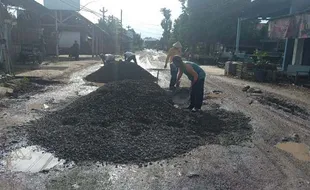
(175, 50)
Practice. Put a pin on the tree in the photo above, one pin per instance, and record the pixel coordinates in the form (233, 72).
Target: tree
(184, 7)
(180, 31)
(137, 41)
(113, 27)
(208, 22)
(166, 24)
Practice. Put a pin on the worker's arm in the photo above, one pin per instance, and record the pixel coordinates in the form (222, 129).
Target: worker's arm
(180, 75)
(168, 58)
(135, 60)
(192, 72)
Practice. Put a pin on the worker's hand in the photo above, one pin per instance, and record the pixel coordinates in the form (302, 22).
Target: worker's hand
(193, 83)
(178, 83)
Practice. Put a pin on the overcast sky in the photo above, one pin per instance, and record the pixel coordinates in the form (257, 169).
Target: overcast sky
(142, 15)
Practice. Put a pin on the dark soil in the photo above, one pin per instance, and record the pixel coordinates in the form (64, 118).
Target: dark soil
(25, 85)
(120, 71)
(133, 122)
(282, 104)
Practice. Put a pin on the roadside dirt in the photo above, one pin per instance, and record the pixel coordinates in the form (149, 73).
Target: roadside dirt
(28, 85)
(282, 104)
(36, 81)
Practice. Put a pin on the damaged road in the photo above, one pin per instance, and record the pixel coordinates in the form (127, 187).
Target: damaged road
(215, 164)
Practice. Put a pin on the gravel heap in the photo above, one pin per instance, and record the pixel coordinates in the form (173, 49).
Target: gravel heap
(119, 71)
(133, 122)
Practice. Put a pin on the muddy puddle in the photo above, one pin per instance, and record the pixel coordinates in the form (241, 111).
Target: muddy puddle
(299, 150)
(284, 105)
(29, 159)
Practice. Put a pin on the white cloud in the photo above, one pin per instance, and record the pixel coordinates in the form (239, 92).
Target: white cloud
(142, 15)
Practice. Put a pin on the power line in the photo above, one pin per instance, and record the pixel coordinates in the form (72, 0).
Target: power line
(100, 16)
(82, 8)
(143, 23)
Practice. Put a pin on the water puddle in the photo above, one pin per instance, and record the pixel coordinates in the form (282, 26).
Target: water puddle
(30, 159)
(36, 106)
(298, 150)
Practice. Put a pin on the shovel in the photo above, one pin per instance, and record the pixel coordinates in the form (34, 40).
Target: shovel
(181, 95)
(158, 70)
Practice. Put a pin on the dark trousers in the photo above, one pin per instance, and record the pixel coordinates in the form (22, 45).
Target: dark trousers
(132, 58)
(197, 94)
(174, 75)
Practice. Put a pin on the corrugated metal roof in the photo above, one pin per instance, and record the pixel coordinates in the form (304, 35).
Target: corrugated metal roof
(267, 8)
(275, 8)
(30, 5)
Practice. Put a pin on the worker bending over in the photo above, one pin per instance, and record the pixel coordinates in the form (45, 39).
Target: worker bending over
(107, 59)
(129, 56)
(175, 50)
(197, 76)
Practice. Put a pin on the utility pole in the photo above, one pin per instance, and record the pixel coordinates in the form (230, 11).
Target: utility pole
(121, 41)
(285, 61)
(93, 41)
(115, 34)
(238, 36)
(103, 11)
(57, 36)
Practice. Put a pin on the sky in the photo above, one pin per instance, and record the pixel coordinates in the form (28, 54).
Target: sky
(143, 16)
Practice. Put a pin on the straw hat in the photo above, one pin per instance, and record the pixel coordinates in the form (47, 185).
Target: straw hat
(177, 45)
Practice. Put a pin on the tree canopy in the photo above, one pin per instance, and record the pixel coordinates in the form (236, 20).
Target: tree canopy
(113, 27)
(213, 21)
(166, 24)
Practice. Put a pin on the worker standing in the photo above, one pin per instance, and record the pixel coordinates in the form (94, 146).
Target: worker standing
(76, 50)
(129, 56)
(197, 76)
(175, 50)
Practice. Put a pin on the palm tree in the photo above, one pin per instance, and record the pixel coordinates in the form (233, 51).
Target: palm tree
(166, 24)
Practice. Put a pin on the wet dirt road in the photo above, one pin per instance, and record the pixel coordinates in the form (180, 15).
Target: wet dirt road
(254, 165)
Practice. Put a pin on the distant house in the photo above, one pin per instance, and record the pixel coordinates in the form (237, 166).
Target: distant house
(150, 43)
(35, 21)
(294, 27)
(6, 21)
(289, 22)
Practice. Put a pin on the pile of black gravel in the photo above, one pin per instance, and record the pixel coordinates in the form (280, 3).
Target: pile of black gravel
(133, 122)
(120, 71)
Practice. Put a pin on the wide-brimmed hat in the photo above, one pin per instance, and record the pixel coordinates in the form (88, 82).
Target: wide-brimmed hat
(177, 45)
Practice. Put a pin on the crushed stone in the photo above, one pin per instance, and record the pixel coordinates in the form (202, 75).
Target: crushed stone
(133, 122)
(120, 71)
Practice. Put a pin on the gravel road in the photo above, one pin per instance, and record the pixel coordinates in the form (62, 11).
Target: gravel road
(255, 164)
